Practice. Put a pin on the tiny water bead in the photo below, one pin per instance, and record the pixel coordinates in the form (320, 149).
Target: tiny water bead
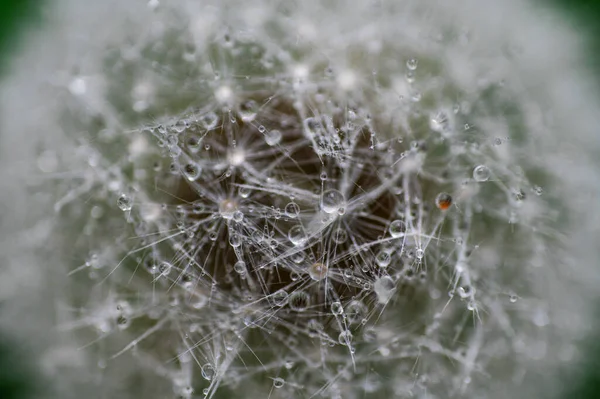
(340, 236)
(292, 210)
(248, 111)
(235, 240)
(227, 208)
(481, 173)
(383, 259)
(273, 137)
(299, 301)
(443, 201)
(297, 236)
(337, 308)
(191, 171)
(356, 311)
(208, 371)
(165, 268)
(280, 297)
(209, 121)
(332, 201)
(278, 382)
(124, 202)
(419, 253)
(412, 64)
(345, 337)
(318, 271)
(240, 267)
(397, 228)
(384, 288)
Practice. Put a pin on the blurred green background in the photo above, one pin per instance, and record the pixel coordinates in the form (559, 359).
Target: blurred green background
(17, 377)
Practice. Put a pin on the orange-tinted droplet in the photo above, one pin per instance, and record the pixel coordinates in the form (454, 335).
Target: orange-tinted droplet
(443, 201)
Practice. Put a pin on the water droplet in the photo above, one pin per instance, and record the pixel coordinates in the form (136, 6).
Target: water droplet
(443, 201)
(323, 176)
(519, 195)
(235, 240)
(238, 216)
(248, 111)
(191, 171)
(313, 126)
(273, 137)
(345, 337)
(336, 308)
(513, 298)
(165, 268)
(280, 297)
(123, 322)
(464, 291)
(318, 271)
(299, 301)
(278, 382)
(208, 371)
(538, 190)
(124, 202)
(227, 208)
(244, 192)
(412, 64)
(419, 253)
(209, 121)
(292, 210)
(384, 289)
(340, 236)
(356, 311)
(397, 228)
(332, 201)
(383, 259)
(481, 173)
(261, 129)
(297, 236)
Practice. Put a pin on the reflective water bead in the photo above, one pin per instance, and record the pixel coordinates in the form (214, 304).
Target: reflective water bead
(443, 201)
(318, 271)
(383, 259)
(336, 308)
(412, 63)
(235, 240)
(340, 236)
(280, 297)
(292, 210)
(227, 208)
(209, 121)
(238, 216)
(191, 171)
(273, 137)
(332, 201)
(248, 111)
(208, 371)
(355, 311)
(124, 202)
(165, 268)
(481, 173)
(297, 236)
(384, 289)
(345, 337)
(278, 382)
(397, 228)
(419, 253)
(299, 301)
(244, 192)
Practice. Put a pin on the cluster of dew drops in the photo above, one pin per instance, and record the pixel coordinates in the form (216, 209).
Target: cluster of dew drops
(288, 219)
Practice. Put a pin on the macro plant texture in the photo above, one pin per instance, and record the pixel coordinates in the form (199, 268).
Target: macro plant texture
(315, 199)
